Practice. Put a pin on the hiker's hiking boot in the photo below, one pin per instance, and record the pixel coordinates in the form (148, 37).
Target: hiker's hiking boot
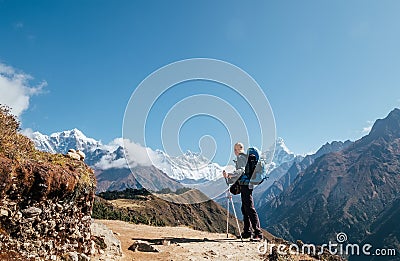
(257, 238)
(245, 235)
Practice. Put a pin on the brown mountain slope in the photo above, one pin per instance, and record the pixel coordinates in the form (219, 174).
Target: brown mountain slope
(179, 224)
(145, 208)
(287, 179)
(342, 192)
(140, 176)
(385, 233)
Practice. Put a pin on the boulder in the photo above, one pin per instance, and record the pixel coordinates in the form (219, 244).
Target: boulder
(143, 246)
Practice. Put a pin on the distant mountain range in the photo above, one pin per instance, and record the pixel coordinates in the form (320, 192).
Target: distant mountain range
(283, 175)
(289, 172)
(113, 173)
(108, 161)
(350, 187)
(187, 168)
(355, 190)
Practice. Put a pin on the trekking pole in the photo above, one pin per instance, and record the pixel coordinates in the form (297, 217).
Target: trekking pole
(229, 197)
(227, 215)
(237, 221)
(227, 209)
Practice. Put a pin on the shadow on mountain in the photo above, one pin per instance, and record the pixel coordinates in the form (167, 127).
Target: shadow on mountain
(355, 191)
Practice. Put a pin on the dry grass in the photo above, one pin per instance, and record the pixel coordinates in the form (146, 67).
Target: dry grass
(22, 165)
(12, 144)
(125, 203)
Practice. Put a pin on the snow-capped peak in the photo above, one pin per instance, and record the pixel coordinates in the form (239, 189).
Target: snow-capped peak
(61, 142)
(188, 166)
(41, 141)
(280, 144)
(281, 155)
(73, 134)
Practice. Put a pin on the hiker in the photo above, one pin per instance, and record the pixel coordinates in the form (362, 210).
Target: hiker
(250, 216)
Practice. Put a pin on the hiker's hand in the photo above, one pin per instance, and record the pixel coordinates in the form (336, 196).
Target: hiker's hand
(226, 175)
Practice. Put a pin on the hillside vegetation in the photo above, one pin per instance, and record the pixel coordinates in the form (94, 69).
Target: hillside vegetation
(45, 199)
(141, 207)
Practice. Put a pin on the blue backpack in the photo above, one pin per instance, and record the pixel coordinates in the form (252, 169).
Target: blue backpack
(255, 171)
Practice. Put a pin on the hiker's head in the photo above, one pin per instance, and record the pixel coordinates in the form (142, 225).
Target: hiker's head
(238, 148)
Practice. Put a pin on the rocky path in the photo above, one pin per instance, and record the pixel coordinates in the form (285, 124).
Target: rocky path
(180, 243)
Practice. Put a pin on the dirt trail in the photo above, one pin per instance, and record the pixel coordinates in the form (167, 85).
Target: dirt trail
(183, 243)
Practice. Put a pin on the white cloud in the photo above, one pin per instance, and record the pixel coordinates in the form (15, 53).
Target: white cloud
(16, 90)
(135, 154)
(312, 152)
(368, 128)
(113, 145)
(138, 155)
(107, 162)
(28, 132)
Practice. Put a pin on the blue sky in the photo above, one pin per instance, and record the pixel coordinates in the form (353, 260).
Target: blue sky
(328, 68)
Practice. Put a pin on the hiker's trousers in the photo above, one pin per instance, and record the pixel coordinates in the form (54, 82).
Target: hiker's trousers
(249, 212)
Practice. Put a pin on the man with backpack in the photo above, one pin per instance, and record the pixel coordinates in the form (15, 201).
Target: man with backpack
(246, 165)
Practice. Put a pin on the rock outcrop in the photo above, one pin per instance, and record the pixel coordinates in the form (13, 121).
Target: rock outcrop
(45, 200)
(108, 247)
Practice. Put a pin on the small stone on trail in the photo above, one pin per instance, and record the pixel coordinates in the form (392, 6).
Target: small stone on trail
(142, 246)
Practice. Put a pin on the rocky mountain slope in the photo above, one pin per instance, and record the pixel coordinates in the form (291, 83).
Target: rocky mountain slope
(141, 207)
(296, 166)
(148, 177)
(45, 200)
(384, 233)
(283, 175)
(275, 174)
(354, 191)
(161, 230)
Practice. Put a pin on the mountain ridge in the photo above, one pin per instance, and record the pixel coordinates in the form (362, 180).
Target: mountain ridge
(296, 167)
(343, 191)
(189, 168)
